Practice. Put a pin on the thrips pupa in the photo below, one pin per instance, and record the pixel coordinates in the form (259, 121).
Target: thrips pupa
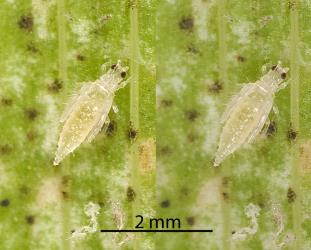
(86, 114)
(248, 111)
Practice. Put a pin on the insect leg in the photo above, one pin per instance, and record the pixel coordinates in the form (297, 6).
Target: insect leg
(265, 127)
(115, 108)
(265, 112)
(276, 111)
(282, 86)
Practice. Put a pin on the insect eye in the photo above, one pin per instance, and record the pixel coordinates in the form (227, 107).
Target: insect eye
(113, 66)
(123, 74)
(283, 75)
(273, 67)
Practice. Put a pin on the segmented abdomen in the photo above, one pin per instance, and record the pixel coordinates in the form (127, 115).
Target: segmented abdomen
(86, 114)
(243, 122)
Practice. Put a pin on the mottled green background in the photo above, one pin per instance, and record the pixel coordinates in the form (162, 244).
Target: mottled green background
(200, 52)
(47, 48)
(213, 48)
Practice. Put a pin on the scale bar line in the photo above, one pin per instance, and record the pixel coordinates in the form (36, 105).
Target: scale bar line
(156, 231)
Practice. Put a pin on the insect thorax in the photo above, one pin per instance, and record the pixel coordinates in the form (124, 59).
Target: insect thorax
(269, 82)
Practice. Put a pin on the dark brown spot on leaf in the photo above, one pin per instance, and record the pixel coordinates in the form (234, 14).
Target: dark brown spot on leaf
(130, 193)
(190, 220)
(240, 58)
(186, 23)
(165, 203)
(31, 135)
(24, 190)
(5, 203)
(80, 57)
(65, 195)
(32, 48)
(166, 103)
(291, 134)
(131, 133)
(225, 195)
(215, 88)
(6, 149)
(101, 204)
(192, 49)
(26, 22)
(272, 128)
(31, 113)
(291, 195)
(165, 150)
(112, 127)
(261, 205)
(30, 219)
(55, 86)
(191, 115)
(184, 191)
(6, 101)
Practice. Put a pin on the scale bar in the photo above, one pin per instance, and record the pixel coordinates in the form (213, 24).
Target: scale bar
(157, 231)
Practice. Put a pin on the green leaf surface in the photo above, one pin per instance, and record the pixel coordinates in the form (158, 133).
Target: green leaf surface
(205, 51)
(214, 47)
(47, 49)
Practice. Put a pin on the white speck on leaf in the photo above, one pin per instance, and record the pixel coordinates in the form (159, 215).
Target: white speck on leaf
(4, 176)
(40, 9)
(178, 84)
(279, 221)
(207, 211)
(211, 118)
(91, 210)
(251, 212)
(242, 30)
(82, 28)
(50, 191)
(201, 13)
(16, 70)
(16, 82)
(50, 126)
(265, 20)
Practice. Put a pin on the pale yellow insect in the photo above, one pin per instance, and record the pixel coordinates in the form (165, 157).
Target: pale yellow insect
(248, 111)
(88, 111)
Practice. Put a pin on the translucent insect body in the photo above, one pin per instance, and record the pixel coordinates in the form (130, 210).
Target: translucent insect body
(248, 111)
(88, 111)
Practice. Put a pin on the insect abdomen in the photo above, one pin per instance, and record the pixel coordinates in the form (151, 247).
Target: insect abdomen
(83, 118)
(242, 123)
